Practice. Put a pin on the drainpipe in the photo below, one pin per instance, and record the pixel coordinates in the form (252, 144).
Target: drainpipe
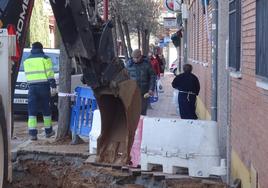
(106, 9)
(185, 47)
(214, 62)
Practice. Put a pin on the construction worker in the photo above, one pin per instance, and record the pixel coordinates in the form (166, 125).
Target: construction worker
(40, 78)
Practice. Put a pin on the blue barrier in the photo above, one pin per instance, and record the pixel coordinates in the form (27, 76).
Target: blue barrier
(82, 111)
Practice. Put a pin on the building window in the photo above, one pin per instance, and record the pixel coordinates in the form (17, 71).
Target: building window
(234, 34)
(262, 38)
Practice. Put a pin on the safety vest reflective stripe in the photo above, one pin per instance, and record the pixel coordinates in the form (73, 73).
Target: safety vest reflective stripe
(37, 81)
(34, 72)
(36, 77)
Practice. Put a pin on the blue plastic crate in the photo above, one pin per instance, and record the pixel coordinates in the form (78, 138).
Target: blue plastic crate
(82, 111)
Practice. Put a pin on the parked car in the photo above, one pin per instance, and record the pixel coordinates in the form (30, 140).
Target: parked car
(173, 67)
(20, 101)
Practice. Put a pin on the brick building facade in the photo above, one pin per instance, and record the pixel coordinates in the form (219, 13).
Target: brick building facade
(199, 53)
(247, 100)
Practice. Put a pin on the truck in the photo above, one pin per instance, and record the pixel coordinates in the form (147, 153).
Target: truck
(87, 39)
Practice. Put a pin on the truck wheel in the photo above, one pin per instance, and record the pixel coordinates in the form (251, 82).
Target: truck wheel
(3, 146)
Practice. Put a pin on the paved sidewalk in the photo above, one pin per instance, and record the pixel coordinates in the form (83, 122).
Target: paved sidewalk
(164, 107)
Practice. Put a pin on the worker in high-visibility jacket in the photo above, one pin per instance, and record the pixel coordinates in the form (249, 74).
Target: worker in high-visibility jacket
(39, 73)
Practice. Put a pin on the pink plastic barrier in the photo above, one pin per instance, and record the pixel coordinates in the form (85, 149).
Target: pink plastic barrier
(135, 150)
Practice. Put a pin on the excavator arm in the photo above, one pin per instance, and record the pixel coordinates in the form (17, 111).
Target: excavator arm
(88, 39)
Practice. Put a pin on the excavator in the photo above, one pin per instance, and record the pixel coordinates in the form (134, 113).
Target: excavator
(88, 39)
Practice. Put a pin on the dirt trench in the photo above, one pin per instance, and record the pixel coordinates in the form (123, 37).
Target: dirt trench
(43, 171)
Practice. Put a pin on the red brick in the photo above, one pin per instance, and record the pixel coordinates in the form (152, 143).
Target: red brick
(249, 104)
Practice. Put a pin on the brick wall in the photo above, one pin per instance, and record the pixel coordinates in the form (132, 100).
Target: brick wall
(199, 53)
(249, 115)
(249, 103)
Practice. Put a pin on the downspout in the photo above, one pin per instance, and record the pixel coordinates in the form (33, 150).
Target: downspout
(185, 45)
(214, 60)
(229, 109)
(185, 33)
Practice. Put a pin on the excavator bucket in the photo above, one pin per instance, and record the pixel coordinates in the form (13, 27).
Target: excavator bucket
(119, 115)
(89, 40)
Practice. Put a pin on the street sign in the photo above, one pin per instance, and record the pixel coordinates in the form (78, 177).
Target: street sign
(170, 23)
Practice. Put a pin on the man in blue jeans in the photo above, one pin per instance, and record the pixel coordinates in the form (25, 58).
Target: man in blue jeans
(40, 77)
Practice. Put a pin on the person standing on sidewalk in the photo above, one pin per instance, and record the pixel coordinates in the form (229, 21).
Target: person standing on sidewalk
(188, 85)
(140, 70)
(156, 68)
(40, 78)
(155, 64)
(162, 63)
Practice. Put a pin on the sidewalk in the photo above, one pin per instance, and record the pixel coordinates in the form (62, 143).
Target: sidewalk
(164, 107)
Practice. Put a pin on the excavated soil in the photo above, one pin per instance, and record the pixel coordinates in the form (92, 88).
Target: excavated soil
(34, 171)
(43, 171)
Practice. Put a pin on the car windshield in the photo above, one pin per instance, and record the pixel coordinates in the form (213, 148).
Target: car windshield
(54, 57)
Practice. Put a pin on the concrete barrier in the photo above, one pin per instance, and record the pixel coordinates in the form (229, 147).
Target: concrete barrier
(177, 144)
(95, 132)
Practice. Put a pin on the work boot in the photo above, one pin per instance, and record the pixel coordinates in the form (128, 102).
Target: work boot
(52, 133)
(33, 134)
(33, 137)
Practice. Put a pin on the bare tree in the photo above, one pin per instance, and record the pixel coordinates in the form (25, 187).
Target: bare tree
(122, 36)
(125, 25)
(137, 16)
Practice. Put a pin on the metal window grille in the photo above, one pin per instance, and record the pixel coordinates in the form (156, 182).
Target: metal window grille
(234, 34)
(262, 38)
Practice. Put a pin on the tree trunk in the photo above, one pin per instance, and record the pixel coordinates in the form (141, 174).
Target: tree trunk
(121, 32)
(57, 37)
(64, 87)
(145, 42)
(139, 38)
(125, 25)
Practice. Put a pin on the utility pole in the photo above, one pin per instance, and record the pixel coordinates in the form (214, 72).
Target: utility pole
(106, 9)
(214, 61)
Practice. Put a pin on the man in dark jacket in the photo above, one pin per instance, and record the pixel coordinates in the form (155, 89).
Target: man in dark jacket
(140, 69)
(188, 85)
